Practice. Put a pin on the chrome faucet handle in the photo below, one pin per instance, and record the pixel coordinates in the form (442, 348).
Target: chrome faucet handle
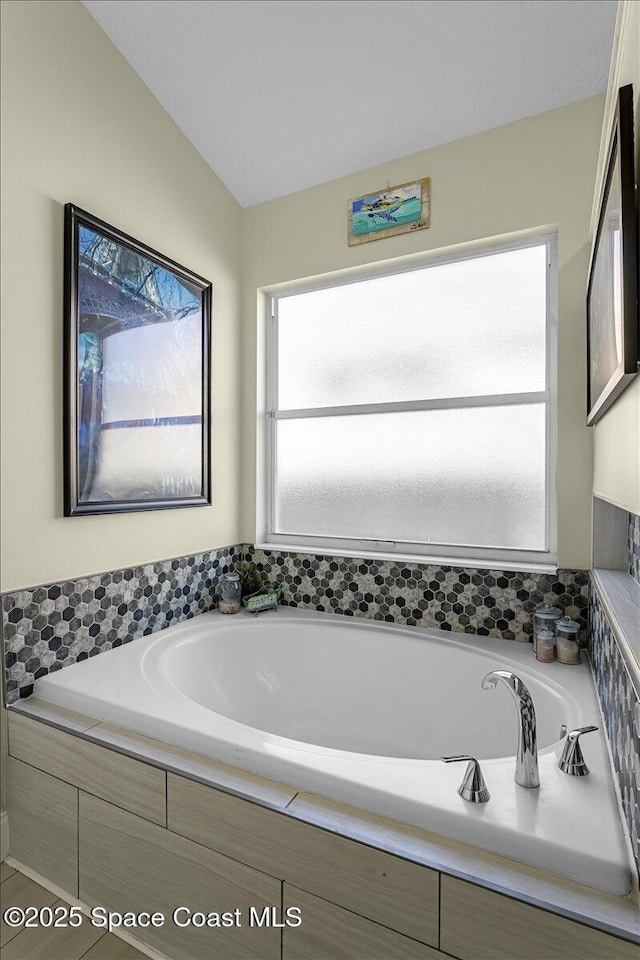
(572, 762)
(473, 788)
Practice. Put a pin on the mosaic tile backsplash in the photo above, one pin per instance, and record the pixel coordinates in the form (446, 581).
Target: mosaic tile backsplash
(485, 602)
(634, 546)
(618, 702)
(49, 627)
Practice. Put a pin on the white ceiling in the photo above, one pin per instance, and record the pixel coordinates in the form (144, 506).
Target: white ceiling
(279, 95)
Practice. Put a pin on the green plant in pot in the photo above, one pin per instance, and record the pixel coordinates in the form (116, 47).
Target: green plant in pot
(251, 579)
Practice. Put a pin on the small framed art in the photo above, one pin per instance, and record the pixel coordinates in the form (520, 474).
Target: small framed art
(404, 208)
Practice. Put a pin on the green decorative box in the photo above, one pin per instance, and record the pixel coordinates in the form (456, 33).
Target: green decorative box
(263, 600)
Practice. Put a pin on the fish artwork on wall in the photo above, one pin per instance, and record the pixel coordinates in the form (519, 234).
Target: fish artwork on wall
(404, 208)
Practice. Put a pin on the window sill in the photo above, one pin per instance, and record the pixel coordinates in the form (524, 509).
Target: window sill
(473, 563)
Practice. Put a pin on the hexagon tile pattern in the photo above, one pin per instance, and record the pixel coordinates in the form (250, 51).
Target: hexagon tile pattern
(618, 701)
(52, 626)
(48, 627)
(489, 603)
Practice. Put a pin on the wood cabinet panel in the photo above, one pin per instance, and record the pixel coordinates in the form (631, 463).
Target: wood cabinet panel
(130, 864)
(128, 783)
(392, 891)
(43, 820)
(477, 924)
(328, 932)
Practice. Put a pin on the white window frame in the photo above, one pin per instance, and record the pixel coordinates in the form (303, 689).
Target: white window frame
(455, 555)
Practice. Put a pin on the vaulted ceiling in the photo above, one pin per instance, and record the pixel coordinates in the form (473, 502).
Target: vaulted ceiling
(279, 95)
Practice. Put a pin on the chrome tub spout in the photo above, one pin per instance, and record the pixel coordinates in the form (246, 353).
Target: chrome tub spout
(527, 755)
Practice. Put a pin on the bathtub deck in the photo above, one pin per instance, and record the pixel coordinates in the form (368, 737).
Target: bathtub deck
(615, 915)
(234, 692)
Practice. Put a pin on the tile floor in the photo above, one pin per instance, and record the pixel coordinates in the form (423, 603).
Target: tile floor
(45, 943)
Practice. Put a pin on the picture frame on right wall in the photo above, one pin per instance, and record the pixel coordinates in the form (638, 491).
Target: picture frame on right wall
(612, 292)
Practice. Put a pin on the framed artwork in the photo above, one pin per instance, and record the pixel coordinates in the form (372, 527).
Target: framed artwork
(137, 342)
(612, 293)
(388, 213)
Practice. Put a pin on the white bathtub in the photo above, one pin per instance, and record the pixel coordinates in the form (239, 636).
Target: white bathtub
(361, 712)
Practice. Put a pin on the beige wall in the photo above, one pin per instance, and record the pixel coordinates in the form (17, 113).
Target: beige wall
(616, 466)
(538, 172)
(80, 126)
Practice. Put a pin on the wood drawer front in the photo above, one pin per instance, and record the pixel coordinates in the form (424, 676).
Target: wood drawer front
(477, 924)
(43, 818)
(392, 891)
(127, 863)
(328, 932)
(128, 783)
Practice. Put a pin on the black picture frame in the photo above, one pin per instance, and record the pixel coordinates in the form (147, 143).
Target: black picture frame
(612, 355)
(145, 289)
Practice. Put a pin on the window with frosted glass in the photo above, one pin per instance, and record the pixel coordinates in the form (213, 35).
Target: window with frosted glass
(413, 407)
